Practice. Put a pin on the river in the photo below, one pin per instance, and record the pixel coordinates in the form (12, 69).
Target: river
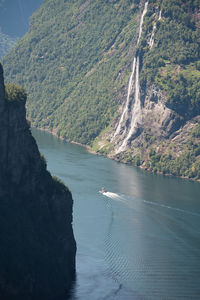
(139, 241)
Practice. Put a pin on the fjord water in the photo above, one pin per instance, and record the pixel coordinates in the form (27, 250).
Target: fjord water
(141, 240)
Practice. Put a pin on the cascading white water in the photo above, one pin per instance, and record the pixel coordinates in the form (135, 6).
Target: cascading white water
(160, 15)
(142, 20)
(151, 41)
(125, 111)
(132, 86)
(136, 109)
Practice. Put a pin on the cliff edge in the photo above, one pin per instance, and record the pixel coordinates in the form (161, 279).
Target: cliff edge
(37, 246)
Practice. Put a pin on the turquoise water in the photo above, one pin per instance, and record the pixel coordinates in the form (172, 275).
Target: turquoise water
(139, 241)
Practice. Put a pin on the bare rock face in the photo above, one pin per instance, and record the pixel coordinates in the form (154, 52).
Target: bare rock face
(162, 120)
(37, 246)
(155, 119)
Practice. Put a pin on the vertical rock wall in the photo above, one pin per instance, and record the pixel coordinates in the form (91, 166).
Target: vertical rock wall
(37, 246)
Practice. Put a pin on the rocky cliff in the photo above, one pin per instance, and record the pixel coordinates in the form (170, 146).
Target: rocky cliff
(162, 140)
(37, 246)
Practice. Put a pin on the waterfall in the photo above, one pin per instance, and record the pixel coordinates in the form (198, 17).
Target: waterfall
(151, 42)
(133, 86)
(141, 21)
(125, 111)
(136, 109)
(160, 15)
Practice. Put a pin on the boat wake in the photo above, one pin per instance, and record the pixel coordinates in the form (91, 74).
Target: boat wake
(114, 196)
(128, 201)
(162, 225)
(171, 208)
(111, 195)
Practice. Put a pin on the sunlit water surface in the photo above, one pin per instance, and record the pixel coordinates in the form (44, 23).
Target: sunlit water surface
(141, 239)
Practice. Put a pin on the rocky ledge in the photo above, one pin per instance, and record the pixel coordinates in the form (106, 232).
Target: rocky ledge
(37, 246)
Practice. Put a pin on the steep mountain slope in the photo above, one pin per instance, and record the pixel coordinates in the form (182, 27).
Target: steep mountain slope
(159, 128)
(73, 62)
(120, 76)
(37, 252)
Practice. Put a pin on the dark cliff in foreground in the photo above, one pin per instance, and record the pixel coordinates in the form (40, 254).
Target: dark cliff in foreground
(37, 246)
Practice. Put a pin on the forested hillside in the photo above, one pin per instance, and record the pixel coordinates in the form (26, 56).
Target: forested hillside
(76, 63)
(73, 63)
(174, 61)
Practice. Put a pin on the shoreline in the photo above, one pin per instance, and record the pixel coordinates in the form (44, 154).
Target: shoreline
(112, 158)
(63, 139)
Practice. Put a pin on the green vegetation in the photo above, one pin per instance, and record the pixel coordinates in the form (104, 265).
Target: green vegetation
(185, 165)
(173, 64)
(174, 60)
(73, 63)
(183, 87)
(15, 93)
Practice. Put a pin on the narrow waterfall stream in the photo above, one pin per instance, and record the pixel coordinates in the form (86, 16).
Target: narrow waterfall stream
(160, 15)
(151, 42)
(124, 114)
(136, 110)
(133, 87)
(142, 20)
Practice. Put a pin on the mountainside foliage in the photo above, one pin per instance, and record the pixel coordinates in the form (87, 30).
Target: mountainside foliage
(15, 93)
(173, 63)
(72, 63)
(76, 60)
